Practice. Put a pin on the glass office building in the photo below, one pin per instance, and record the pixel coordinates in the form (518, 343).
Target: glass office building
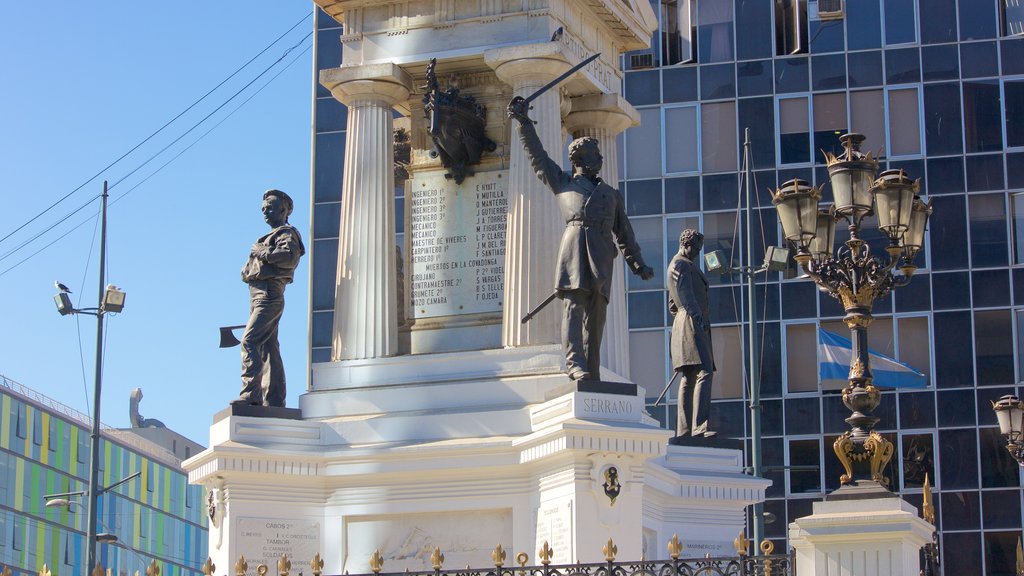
(44, 449)
(937, 87)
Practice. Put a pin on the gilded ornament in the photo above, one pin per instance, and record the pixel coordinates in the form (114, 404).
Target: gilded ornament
(675, 547)
(209, 567)
(262, 570)
(545, 554)
(152, 569)
(436, 559)
(522, 558)
(498, 556)
(44, 572)
(741, 543)
(284, 565)
(843, 447)
(376, 561)
(317, 565)
(881, 451)
(97, 570)
(927, 506)
(610, 550)
(241, 566)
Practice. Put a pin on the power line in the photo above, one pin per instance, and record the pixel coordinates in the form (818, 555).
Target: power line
(148, 138)
(82, 223)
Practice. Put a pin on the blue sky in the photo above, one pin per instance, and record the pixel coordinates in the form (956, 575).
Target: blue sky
(82, 85)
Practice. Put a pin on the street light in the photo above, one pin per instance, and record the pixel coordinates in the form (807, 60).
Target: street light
(111, 300)
(1010, 414)
(856, 278)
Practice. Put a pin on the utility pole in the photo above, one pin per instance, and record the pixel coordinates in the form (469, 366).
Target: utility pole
(753, 366)
(94, 452)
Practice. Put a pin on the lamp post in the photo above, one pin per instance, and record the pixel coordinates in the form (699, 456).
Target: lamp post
(111, 299)
(1010, 414)
(856, 278)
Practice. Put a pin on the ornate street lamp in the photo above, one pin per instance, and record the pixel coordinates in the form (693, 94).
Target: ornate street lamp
(1010, 413)
(856, 278)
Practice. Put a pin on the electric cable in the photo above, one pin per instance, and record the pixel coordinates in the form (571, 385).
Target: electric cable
(148, 138)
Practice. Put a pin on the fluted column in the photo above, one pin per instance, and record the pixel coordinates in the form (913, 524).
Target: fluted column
(535, 226)
(605, 116)
(365, 302)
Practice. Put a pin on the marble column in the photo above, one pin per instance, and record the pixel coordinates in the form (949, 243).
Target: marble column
(365, 304)
(605, 116)
(534, 223)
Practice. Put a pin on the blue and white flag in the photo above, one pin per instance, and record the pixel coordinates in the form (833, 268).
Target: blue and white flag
(835, 354)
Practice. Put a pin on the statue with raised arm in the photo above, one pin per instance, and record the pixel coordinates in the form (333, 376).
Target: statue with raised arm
(691, 352)
(596, 227)
(269, 268)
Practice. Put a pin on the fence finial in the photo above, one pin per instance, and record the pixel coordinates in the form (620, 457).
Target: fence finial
(498, 556)
(610, 550)
(97, 570)
(44, 572)
(741, 543)
(209, 567)
(284, 565)
(436, 559)
(152, 569)
(241, 566)
(376, 561)
(317, 565)
(545, 553)
(675, 547)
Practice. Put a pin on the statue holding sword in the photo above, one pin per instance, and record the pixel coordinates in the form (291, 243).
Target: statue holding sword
(596, 227)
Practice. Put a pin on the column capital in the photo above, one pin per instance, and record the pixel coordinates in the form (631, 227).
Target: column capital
(542, 61)
(611, 112)
(386, 82)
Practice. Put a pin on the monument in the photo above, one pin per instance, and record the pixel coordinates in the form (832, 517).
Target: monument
(442, 420)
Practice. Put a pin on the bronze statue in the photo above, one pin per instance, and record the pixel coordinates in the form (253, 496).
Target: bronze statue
(690, 347)
(271, 265)
(456, 125)
(595, 222)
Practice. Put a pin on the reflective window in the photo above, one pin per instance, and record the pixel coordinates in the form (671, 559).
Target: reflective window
(801, 357)
(900, 21)
(754, 18)
(942, 119)
(725, 341)
(995, 511)
(1001, 551)
(956, 408)
(938, 21)
(325, 264)
(725, 303)
(758, 114)
(967, 556)
(648, 237)
(714, 30)
(865, 69)
(798, 300)
(682, 194)
(984, 172)
(794, 131)
(960, 511)
(918, 460)
(904, 122)
(902, 66)
(940, 63)
(826, 36)
(641, 88)
(721, 191)
(754, 78)
(982, 121)
(1004, 472)
(917, 410)
(803, 416)
(718, 137)
(679, 84)
(993, 341)
(867, 117)
(717, 82)
(954, 360)
(951, 290)
(647, 309)
(988, 230)
(791, 75)
(914, 340)
(946, 175)
(1017, 206)
(648, 362)
(991, 288)
(329, 158)
(978, 59)
(643, 197)
(643, 146)
(677, 28)
(958, 462)
(828, 72)
(805, 453)
(331, 115)
(864, 19)
(1011, 17)
(790, 27)
(1013, 106)
(977, 20)
(829, 123)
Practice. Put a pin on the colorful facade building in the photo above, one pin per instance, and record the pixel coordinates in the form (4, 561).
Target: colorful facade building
(44, 449)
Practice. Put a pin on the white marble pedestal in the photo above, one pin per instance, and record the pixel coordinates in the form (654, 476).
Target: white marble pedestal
(874, 537)
(463, 451)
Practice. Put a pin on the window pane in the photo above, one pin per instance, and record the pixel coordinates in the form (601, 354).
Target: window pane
(988, 230)
(914, 343)
(647, 363)
(790, 27)
(681, 139)
(643, 197)
(676, 31)
(802, 357)
(982, 122)
(805, 453)
(794, 131)
(758, 114)
(993, 341)
(648, 237)
(867, 117)
(865, 69)
(918, 460)
(940, 62)
(718, 137)
(942, 119)
(643, 146)
(977, 20)
(904, 122)
(1014, 94)
(714, 30)
(829, 122)
(1012, 14)
(938, 21)
(864, 17)
(958, 460)
(646, 309)
(754, 18)
(900, 21)
(725, 341)
(717, 82)
(954, 362)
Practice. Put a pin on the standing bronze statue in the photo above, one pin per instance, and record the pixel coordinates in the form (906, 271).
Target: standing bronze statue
(595, 221)
(271, 266)
(692, 356)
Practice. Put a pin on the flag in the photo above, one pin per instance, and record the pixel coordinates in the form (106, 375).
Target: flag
(835, 354)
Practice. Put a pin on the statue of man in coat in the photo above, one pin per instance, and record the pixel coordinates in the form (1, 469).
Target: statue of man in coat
(690, 347)
(595, 223)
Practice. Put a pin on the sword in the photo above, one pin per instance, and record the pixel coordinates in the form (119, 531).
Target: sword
(665, 391)
(519, 100)
(540, 307)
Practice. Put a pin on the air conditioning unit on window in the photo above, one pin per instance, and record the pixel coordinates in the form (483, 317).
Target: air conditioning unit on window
(830, 9)
(641, 61)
